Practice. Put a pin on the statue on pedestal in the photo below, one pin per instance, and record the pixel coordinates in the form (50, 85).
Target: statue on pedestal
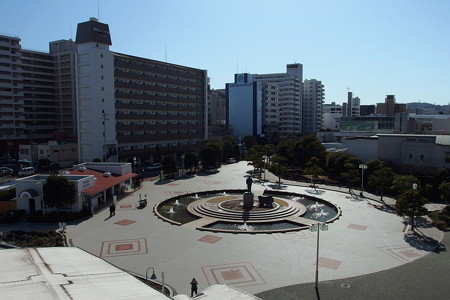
(249, 182)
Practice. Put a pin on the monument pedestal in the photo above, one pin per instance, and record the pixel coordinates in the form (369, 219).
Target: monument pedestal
(248, 200)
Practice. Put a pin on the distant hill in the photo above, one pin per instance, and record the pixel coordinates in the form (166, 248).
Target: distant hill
(428, 108)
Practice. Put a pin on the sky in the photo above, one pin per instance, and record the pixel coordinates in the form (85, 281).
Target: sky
(372, 48)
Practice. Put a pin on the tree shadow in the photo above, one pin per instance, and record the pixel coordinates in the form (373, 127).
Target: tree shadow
(315, 191)
(276, 186)
(420, 241)
(385, 208)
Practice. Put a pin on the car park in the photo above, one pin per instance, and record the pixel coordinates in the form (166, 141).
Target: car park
(154, 166)
(231, 160)
(26, 171)
(5, 171)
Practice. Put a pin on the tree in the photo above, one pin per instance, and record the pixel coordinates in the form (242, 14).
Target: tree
(209, 156)
(286, 150)
(212, 153)
(58, 192)
(403, 183)
(411, 204)
(381, 180)
(308, 147)
(445, 191)
(169, 164)
(230, 147)
(190, 160)
(313, 169)
(336, 164)
(255, 157)
(249, 141)
(277, 167)
(351, 174)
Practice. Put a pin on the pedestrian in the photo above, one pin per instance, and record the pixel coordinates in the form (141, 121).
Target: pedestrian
(193, 287)
(112, 210)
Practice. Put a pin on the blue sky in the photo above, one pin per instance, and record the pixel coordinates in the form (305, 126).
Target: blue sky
(381, 47)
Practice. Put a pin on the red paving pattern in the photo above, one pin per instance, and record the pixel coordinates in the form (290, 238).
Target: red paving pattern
(236, 274)
(329, 263)
(401, 252)
(124, 247)
(211, 239)
(292, 235)
(125, 222)
(357, 227)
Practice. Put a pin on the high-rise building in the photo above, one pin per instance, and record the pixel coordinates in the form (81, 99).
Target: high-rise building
(118, 106)
(313, 96)
(283, 94)
(217, 113)
(244, 106)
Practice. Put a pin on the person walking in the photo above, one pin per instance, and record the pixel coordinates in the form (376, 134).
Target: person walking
(112, 210)
(194, 284)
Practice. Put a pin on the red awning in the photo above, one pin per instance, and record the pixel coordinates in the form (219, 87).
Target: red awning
(102, 183)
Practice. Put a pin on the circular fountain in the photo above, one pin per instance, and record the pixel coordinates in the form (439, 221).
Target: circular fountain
(228, 211)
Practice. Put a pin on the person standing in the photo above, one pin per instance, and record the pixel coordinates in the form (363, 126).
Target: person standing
(194, 284)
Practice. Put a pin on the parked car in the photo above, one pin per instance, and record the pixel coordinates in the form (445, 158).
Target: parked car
(210, 169)
(231, 160)
(152, 167)
(26, 171)
(5, 171)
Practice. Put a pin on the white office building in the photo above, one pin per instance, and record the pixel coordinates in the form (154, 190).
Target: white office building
(313, 96)
(332, 114)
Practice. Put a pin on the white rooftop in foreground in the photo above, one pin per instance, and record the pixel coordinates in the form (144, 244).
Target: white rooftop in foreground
(66, 273)
(71, 273)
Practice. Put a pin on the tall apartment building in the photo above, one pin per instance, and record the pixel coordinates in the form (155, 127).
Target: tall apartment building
(36, 92)
(133, 106)
(313, 98)
(217, 116)
(283, 95)
(12, 118)
(117, 106)
(366, 110)
(389, 107)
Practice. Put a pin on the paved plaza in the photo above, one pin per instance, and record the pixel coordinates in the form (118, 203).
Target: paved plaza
(368, 238)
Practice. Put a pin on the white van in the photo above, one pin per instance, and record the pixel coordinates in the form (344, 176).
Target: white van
(26, 171)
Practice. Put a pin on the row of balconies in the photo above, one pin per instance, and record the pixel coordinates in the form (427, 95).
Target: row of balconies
(133, 65)
(157, 79)
(167, 138)
(156, 89)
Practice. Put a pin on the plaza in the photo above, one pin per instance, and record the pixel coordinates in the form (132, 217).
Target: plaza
(368, 237)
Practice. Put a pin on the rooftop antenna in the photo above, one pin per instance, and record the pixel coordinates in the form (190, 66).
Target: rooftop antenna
(348, 89)
(98, 10)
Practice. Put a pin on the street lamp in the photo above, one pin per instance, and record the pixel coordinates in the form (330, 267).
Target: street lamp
(362, 167)
(153, 277)
(41, 182)
(313, 228)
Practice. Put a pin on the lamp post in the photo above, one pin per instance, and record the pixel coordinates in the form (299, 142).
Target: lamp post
(318, 227)
(41, 182)
(153, 277)
(362, 167)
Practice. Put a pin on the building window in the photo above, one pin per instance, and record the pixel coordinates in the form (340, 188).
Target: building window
(421, 157)
(101, 66)
(410, 156)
